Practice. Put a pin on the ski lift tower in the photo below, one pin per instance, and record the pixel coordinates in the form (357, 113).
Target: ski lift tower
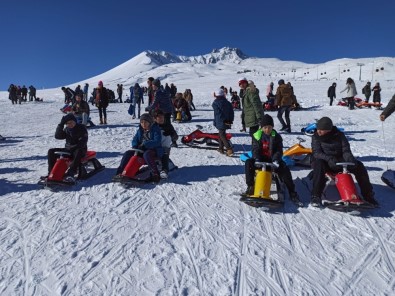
(360, 69)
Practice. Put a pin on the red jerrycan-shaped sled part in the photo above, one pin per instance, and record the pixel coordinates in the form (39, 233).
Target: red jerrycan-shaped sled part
(346, 186)
(134, 164)
(60, 167)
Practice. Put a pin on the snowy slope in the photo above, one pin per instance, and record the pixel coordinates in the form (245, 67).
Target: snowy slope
(189, 235)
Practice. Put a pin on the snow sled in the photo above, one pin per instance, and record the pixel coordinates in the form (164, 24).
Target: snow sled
(344, 102)
(311, 128)
(298, 155)
(268, 188)
(67, 108)
(388, 177)
(364, 104)
(236, 105)
(89, 166)
(341, 194)
(198, 138)
(269, 105)
(137, 172)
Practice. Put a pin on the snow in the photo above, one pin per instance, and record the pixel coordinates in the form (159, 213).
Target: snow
(190, 235)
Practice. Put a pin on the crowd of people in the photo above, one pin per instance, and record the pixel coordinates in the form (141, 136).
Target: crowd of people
(18, 94)
(350, 91)
(156, 134)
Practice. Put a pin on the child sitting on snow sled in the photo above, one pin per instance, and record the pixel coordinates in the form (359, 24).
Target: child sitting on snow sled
(168, 133)
(147, 138)
(269, 149)
(330, 146)
(76, 136)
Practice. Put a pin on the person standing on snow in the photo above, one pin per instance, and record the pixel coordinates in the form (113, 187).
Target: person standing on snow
(100, 96)
(376, 93)
(351, 93)
(332, 93)
(284, 100)
(367, 91)
(223, 120)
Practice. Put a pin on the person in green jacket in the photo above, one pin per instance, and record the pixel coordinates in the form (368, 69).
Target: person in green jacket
(252, 110)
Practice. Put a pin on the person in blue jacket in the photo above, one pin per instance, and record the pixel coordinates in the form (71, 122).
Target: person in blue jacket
(149, 139)
(223, 120)
(136, 97)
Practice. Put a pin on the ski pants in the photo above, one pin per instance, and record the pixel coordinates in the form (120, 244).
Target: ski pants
(320, 167)
(284, 110)
(223, 141)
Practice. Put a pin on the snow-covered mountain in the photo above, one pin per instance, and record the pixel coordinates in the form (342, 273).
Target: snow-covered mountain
(232, 61)
(190, 235)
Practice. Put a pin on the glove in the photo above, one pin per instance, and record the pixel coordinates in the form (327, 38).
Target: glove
(333, 166)
(63, 120)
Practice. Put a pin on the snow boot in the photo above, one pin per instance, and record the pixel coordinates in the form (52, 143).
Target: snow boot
(315, 201)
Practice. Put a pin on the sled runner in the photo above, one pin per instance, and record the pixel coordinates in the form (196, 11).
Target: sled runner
(341, 193)
(197, 138)
(388, 177)
(298, 155)
(268, 188)
(89, 166)
(364, 104)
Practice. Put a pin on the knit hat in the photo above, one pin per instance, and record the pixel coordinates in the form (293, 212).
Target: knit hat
(219, 93)
(281, 81)
(156, 82)
(266, 120)
(325, 123)
(147, 118)
(243, 80)
(150, 79)
(100, 83)
(69, 117)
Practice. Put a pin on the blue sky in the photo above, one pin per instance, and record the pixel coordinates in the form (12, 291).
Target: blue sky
(50, 43)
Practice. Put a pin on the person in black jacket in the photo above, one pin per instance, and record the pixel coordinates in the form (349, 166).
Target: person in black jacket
(269, 149)
(331, 146)
(76, 136)
(332, 93)
(100, 96)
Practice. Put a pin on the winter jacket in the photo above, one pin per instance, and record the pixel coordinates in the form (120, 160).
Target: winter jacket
(332, 92)
(367, 91)
(332, 147)
(154, 140)
(351, 90)
(168, 132)
(223, 113)
(390, 107)
(252, 107)
(161, 101)
(76, 137)
(100, 95)
(136, 95)
(376, 94)
(80, 107)
(274, 149)
(284, 96)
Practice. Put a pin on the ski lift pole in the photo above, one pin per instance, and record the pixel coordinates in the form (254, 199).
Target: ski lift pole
(385, 150)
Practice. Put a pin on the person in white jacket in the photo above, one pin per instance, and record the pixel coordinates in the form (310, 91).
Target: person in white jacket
(351, 93)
